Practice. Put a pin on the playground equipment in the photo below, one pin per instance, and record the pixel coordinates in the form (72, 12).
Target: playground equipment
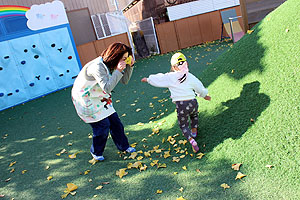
(37, 52)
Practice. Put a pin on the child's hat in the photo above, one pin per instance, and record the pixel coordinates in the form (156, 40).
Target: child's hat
(177, 57)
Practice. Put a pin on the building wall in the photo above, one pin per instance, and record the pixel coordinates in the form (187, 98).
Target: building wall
(95, 6)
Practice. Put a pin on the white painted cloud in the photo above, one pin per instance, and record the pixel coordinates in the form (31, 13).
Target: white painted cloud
(46, 15)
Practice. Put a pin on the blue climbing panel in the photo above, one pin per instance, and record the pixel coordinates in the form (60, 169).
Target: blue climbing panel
(34, 63)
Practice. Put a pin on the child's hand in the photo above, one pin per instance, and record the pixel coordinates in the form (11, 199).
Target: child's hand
(144, 79)
(207, 98)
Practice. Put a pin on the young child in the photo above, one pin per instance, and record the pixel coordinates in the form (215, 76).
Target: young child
(183, 86)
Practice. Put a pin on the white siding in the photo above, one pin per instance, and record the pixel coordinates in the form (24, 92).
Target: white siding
(198, 7)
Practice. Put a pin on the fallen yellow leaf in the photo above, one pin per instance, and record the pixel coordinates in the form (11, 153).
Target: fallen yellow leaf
(180, 198)
(184, 167)
(24, 171)
(159, 191)
(176, 159)
(250, 31)
(86, 172)
(225, 186)
(181, 189)
(200, 155)
(236, 166)
(121, 172)
(240, 176)
(143, 168)
(12, 163)
(133, 155)
(99, 187)
(93, 161)
(49, 178)
(70, 188)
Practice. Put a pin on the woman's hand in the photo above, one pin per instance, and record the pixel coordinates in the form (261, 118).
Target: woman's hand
(144, 79)
(121, 66)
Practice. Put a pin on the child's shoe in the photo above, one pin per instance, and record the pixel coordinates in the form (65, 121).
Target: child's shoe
(194, 134)
(130, 150)
(98, 158)
(194, 145)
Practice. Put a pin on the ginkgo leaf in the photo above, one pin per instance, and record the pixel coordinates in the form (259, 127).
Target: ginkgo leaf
(181, 189)
(133, 104)
(154, 162)
(147, 154)
(160, 165)
(12, 163)
(47, 167)
(12, 170)
(175, 173)
(239, 176)
(182, 142)
(86, 172)
(133, 155)
(180, 198)
(123, 115)
(250, 31)
(70, 188)
(24, 171)
(138, 110)
(154, 97)
(159, 191)
(167, 154)
(121, 172)
(184, 167)
(200, 155)
(93, 161)
(182, 156)
(49, 178)
(73, 156)
(140, 158)
(143, 168)
(176, 159)
(236, 166)
(140, 124)
(158, 151)
(99, 187)
(137, 164)
(225, 186)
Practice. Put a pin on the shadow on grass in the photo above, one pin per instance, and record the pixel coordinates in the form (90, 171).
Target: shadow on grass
(235, 118)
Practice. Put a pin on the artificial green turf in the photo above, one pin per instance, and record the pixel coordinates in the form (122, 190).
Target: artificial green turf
(258, 78)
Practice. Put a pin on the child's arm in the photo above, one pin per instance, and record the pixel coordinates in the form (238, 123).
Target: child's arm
(157, 80)
(200, 89)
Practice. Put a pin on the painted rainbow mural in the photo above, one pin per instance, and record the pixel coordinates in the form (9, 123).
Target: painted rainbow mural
(12, 10)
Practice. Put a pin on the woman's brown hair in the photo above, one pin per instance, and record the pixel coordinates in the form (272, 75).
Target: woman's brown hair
(113, 54)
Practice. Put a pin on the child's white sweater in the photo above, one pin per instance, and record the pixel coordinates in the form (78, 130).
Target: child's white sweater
(179, 91)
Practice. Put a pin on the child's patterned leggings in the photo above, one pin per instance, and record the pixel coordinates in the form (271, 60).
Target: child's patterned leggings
(185, 110)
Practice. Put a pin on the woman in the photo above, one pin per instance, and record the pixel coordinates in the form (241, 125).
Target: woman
(91, 96)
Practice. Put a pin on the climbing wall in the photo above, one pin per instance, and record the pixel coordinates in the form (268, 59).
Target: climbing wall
(35, 63)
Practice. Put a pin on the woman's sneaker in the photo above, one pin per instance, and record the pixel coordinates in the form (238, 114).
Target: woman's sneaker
(130, 150)
(98, 158)
(194, 145)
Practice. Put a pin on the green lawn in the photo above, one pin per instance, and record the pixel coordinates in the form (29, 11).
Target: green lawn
(253, 119)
